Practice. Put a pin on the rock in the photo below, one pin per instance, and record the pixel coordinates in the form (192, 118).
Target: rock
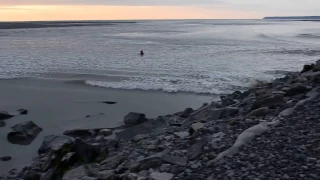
(47, 175)
(150, 162)
(176, 160)
(186, 113)
(82, 133)
(112, 162)
(307, 68)
(133, 118)
(197, 126)
(195, 150)
(216, 114)
(139, 137)
(278, 92)
(76, 173)
(5, 115)
(273, 100)
(2, 123)
(69, 159)
(88, 178)
(229, 111)
(105, 132)
(106, 175)
(259, 112)
(161, 176)
(56, 143)
(87, 152)
(6, 158)
(22, 111)
(31, 175)
(144, 128)
(165, 168)
(130, 176)
(23, 133)
(227, 101)
(297, 88)
(181, 135)
(317, 66)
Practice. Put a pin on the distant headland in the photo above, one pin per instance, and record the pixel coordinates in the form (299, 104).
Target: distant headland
(294, 18)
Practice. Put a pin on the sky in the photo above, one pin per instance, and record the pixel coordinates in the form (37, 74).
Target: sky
(35, 10)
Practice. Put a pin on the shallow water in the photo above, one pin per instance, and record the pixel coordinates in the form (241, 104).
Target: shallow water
(207, 56)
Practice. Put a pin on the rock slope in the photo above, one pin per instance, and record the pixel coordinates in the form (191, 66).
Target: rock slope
(271, 131)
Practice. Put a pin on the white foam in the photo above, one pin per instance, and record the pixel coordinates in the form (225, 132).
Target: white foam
(162, 84)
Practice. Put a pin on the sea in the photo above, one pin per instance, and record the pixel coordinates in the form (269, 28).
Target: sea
(190, 56)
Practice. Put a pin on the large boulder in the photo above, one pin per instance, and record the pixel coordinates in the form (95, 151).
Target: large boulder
(297, 88)
(195, 150)
(307, 68)
(133, 118)
(23, 133)
(76, 173)
(186, 113)
(56, 144)
(259, 112)
(86, 152)
(144, 128)
(269, 101)
(317, 66)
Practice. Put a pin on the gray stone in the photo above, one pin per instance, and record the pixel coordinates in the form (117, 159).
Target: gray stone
(216, 114)
(186, 113)
(76, 173)
(23, 133)
(274, 100)
(229, 111)
(106, 175)
(139, 137)
(6, 158)
(197, 126)
(88, 178)
(69, 159)
(112, 162)
(195, 150)
(106, 132)
(133, 118)
(82, 133)
(56, 143)
(144, 128)
(181, 161)
(31, 175)
(181, 135)
(130, 176)
(259, 112)
(161, 176)
(47, 175)
(87, 152)
(317, 66)
(150, 162)
(297, 88)
(165, 168)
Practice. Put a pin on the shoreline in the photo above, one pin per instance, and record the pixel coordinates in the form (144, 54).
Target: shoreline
(252, 134)
(57, 106)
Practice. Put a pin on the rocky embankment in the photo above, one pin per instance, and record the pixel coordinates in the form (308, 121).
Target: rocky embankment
(271, 131)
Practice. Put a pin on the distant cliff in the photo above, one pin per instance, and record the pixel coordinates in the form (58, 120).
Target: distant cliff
(312, 18)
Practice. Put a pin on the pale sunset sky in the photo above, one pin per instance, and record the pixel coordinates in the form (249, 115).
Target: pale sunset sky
(35, 10)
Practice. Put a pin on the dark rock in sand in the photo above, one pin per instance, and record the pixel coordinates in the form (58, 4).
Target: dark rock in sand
(259, 112)
(273, 100)
(23, 133)
(133, 118)
(56, 143)
(6, 158)
(5, 115)
(186, 113)
(108, 102)
(144, 128)
(22, 111)
(297, 88)
(2, 123)
(195, 150)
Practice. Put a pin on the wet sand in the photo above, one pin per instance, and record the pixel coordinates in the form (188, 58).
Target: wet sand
(57, 106)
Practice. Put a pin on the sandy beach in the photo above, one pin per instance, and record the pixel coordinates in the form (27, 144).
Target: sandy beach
(57, 105)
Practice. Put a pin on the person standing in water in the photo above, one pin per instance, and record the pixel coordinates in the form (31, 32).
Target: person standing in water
(141, 53)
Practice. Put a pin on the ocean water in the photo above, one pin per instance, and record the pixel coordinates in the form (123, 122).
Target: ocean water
(195, 56)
